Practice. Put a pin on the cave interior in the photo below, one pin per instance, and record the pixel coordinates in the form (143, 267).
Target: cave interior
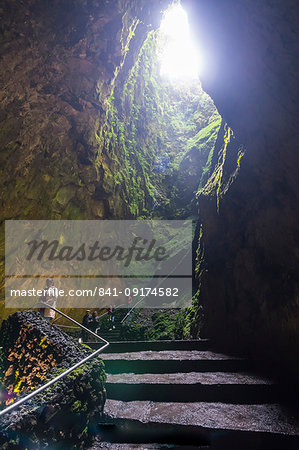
(91, 128)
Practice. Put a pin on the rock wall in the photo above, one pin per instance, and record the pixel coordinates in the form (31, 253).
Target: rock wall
(58, 63)
(84, 118)
(250, 272)
(34, 352)
(88, 130)
(55, 60)
(162, 136)
(59, 69)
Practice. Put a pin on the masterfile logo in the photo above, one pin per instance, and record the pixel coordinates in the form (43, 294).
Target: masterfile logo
(134, 257)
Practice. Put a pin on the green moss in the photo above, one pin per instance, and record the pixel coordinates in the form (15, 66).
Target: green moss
(78, 406)
(203, 137)
(157, 324)
(239, 158)
(74, 212)
(213, 185)
(150, 128)
(65, 194)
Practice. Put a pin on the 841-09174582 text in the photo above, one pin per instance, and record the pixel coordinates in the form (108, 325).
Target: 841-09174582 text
(100, 291)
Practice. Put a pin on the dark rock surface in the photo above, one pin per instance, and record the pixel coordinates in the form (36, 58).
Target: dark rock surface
(35, 352)
(168, 355)
(208, 378)
(267, 418)
(250, 279)
(131, 446)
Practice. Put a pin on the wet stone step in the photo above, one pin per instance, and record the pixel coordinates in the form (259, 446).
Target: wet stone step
(194, 386)
(137, 346)
(220, 440)
(238, 394)
(158, 366)
(169, 435)
(172, 362)
(266, 418)
(209, 378)
(131, 446)
(169, 355)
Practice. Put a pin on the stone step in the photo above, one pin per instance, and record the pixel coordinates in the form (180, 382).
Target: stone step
(138, 346)
(132, 446)
(113, 330)
(190, 387)
(123, 437)
(237, 394)
(111, 337)
(209, 398)
(172, 361)
(210, 417)
(205, 378)
(156, 435)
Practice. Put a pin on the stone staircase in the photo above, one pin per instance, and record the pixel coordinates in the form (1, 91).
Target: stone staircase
(112, 334)
(183, 395)
(111, 331)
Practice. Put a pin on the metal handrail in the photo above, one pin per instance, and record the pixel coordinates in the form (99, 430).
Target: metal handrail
(134, 306)
(102, 315)
(76, 328)
(55, 320)
(119, 306)
(131, 310)
(63, 374)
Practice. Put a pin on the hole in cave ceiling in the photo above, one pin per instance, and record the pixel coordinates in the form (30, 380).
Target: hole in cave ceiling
(179, 58)
(162, 123)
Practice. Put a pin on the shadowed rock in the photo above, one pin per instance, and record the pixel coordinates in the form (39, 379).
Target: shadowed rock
(34, 352)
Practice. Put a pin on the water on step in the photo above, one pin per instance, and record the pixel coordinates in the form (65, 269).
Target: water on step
(134, 432)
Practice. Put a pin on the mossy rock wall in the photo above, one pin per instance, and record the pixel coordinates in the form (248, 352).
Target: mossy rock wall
(88, 130)
(58, 67)
(153, 324)
(34, 352)
(161, 135)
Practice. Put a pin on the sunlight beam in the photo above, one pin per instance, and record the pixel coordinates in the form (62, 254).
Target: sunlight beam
(179, 59)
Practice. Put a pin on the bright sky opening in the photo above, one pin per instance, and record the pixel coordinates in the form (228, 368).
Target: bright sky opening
(179, 59)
